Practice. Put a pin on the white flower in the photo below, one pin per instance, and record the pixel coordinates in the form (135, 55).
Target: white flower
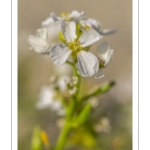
(62, 83)
(87, 64)
(105, 55)
(92, 23)
(40, 43)
(73, 16)
(47, 99)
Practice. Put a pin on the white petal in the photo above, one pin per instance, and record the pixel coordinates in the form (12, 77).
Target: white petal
(92, 23)
(62, 82)
(69, 30)
(47, 22)
(87, 64)
(54, 17)
(108, 31)
(45, 98)
(59, 54)
(89, 37)
(42, 33)
(53, 31)
(76, 16)
(40, 43)
(99, 74)
(105, 53)
(110, 55)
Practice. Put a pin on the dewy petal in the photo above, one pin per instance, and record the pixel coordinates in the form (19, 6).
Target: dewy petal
(69, 30)
(99, 74)
(87, 64)
(59, 54)
(108, 31)
(89, 37)
(105, 53)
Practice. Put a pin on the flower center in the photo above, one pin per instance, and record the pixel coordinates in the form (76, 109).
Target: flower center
(75, 46)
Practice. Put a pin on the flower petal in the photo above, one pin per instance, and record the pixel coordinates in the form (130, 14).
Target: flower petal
(110, 56)
(108, 31)
(92, 23)
(87, 64)
(69, 30)
(105, 53)
(54, 17)
(99, 74)
(59, 54)
(46, 97)
(76, 16)
(40, 43)
(47, 22)
(89, 37)
(42, 33)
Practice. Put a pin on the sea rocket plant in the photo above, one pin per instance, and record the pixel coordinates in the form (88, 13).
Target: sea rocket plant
(68, 39)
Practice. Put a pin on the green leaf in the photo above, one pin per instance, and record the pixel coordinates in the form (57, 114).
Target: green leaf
(99, 90)
(83, 116)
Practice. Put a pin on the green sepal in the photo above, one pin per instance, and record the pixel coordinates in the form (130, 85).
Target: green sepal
(61, 37)
(83, 116)
(78, 30)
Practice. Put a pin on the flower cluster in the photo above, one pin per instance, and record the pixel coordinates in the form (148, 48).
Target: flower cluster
(70, 36)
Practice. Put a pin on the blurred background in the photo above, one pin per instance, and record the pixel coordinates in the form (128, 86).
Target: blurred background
(34, 70)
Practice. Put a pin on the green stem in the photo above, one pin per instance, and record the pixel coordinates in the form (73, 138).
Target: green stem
(69, 117)
(67, 127)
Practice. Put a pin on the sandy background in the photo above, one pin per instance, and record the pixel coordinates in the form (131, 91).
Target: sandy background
(34, 70)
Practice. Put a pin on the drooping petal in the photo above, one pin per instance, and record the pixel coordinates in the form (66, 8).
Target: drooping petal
(76, 16)
(99, 74)
(105, 53)
(40, 42)
(108, 31)
(59, 54)
(89, 37)
(87, 64)
(69, 30)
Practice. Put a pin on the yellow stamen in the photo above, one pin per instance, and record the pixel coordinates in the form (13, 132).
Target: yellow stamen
(66, 16)
(75, 46)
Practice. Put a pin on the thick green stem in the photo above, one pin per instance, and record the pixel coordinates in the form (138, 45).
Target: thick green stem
(67, 127)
